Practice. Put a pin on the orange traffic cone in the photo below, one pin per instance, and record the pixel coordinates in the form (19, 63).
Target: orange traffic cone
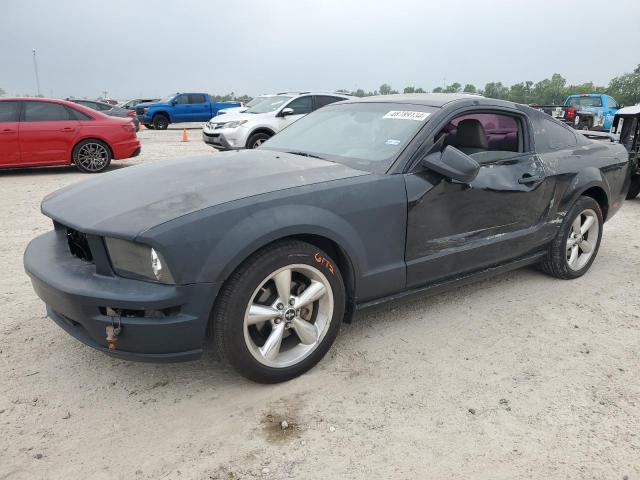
(185, 138)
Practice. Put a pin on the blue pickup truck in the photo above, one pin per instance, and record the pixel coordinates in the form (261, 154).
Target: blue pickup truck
(588, 111)
(178, 108)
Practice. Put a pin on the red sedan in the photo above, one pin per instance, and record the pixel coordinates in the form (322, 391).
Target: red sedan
(37, 132)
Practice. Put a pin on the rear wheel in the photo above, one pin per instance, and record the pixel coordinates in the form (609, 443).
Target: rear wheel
(91, 156)
(279, 312)
(576, 245)
(257, 139)
(160, 122)
(634, 188)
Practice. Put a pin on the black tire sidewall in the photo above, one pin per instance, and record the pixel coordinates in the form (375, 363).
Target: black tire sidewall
(634, 187)
(74, 155)
(255, 137)
(582, 204)
(242, 287)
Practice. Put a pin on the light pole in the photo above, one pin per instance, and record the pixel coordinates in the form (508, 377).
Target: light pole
(35, 68)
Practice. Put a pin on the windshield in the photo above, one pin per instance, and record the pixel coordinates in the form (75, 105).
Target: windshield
(269, 104)
(168, 98)
(578, 102)
(367, 136)
(255, 101)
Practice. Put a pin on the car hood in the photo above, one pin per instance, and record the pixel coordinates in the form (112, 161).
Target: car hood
(132, 200)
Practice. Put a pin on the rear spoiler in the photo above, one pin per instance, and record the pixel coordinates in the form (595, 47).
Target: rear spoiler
(599, 135)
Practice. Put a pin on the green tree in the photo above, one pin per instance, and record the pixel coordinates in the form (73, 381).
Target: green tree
(409, 90)
(521, 92)
(453, 88)
(469, 88)
(496, 90)
(385, 89)
(626, 88)
(438, 90)
(359, 93)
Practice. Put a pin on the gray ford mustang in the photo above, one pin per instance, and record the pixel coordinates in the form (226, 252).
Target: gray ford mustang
(357, 204)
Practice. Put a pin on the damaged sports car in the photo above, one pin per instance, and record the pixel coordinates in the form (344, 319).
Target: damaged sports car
(362, 202)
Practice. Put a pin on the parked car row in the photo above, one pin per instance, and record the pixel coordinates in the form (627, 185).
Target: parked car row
(38, 132)
(108, 109)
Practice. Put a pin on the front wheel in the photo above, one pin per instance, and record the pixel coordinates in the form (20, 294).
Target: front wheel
(160, 122)
(634, 188)
(577, 242)
(279, 312)
(91, 156)
(257, 139)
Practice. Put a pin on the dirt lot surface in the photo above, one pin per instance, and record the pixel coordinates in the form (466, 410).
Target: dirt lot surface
(521, 376)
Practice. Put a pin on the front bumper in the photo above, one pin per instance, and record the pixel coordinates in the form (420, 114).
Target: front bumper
(160, 323)
(225, 139)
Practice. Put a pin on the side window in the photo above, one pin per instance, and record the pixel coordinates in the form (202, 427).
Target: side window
(550, 135)
(322, 100)
(78, 115)
(9, 111)
(493, 135)
(103, 107)
(182, 100)
(44, 112)
(301, 105)
(611, 103)
(196, 98)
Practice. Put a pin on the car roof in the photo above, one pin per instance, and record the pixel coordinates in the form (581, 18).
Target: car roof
(427, 99)
(632, 110)
(310, 92)
(70, 104)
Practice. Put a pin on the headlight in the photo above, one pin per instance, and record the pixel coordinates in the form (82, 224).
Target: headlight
(135, 260)
(145, 109)
(235, 124)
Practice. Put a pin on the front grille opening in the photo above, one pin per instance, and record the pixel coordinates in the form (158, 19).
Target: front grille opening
(128, 313)
(78, 245)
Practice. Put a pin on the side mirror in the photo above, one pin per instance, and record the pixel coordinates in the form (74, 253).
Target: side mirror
(286, 111)
(452, 163)
(173, 103)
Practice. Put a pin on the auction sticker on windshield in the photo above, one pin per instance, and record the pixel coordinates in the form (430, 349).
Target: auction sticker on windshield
(407, 115)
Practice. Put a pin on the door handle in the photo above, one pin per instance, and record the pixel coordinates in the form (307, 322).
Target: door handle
(530, 179)
(8, 130)
(68, 129)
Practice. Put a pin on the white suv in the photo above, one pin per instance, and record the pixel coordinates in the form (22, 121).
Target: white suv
(249, 129)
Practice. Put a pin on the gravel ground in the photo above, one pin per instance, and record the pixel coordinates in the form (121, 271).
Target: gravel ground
(521, 376)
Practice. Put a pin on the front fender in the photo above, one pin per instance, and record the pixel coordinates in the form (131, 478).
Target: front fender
(258, 230)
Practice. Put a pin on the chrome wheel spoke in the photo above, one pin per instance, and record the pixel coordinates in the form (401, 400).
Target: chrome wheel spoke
(575, 226)
(271, 347)
(313, 292)
(586, 246)
(574, 255)
(283, 285)
(261, 313)
(307, 332)
(588, 223)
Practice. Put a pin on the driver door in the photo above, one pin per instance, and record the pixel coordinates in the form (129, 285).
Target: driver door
(455, 228)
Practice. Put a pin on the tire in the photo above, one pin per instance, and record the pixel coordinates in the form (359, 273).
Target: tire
(242, 338)
(257, 139)
(91, 156)
(160, 122)
(559, 261)
(634, 188)
(148, 125)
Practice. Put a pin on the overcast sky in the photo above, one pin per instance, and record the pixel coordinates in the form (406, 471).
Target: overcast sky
(134, 47)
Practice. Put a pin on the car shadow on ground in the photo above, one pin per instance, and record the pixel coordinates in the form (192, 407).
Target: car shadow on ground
(63, 169)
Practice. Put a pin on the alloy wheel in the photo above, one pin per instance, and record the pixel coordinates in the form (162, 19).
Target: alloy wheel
(582, 239)
(288, 315)
(93, 156)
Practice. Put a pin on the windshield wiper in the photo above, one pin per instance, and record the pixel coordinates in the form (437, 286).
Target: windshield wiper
(305, 154)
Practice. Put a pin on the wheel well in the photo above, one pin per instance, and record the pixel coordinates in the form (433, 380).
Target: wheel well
(599, 195)
(96, 139)
(163, 114)
(261, 130)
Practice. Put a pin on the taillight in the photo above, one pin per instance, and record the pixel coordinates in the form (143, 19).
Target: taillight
(129, 127)
(570, 113)
(131, 113)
